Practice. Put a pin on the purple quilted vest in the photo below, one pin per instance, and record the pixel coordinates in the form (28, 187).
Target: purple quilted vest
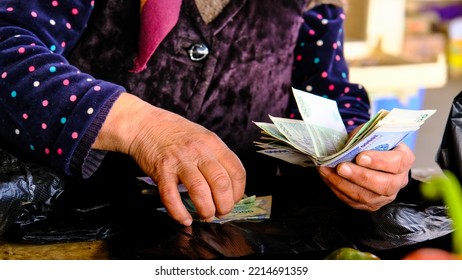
(223, 75)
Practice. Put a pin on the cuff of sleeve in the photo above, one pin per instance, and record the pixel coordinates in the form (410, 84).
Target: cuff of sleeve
(85, 160)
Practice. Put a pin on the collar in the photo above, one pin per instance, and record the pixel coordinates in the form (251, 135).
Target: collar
(210, 9)
(157, 18)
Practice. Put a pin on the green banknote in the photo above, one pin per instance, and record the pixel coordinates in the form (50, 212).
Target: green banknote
(248, 208)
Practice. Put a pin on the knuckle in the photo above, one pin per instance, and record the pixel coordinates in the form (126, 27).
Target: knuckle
(411, 158)
(361, 197)
(196, 186)
(220, 181)
(166, 161)
(367, 207)
(208, 138)
(405, 180)
(240, 173)
(392, 187)
(167, 195)
(404, 162)
(388, 189)
(359, 206)
(373, 208)
(368, 179)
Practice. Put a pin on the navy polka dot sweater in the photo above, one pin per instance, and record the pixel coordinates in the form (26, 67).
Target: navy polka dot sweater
(47, 105)
(51, 112)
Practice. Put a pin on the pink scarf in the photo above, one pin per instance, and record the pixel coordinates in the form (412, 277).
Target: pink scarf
(158, 17)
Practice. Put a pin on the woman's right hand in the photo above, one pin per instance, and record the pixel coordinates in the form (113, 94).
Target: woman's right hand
(172, 150)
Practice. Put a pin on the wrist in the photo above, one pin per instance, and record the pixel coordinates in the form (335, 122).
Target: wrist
(119, 128)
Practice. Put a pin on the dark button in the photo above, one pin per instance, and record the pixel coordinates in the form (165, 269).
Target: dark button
(198, 51)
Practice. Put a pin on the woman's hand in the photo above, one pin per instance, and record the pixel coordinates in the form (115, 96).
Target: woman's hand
(173, 150)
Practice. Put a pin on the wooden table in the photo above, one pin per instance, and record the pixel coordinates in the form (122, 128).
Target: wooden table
(89, 250)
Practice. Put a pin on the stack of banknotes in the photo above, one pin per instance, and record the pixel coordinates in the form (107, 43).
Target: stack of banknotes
(321, 139)
(248, 208)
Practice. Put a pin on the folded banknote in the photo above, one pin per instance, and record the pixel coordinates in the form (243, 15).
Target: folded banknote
(249, 208)
(321, 139)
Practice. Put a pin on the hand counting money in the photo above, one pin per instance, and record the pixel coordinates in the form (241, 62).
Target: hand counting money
(321, 139)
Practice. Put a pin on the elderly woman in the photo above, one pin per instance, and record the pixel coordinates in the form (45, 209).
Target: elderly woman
(175, 85)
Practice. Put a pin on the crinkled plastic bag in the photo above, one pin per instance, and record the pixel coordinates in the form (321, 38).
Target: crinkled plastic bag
(27, 191)
(42, 205)
(307, 220)
(449, 154)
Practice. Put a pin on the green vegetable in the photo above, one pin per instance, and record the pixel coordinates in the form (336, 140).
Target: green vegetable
(447, 187)
(347, 253)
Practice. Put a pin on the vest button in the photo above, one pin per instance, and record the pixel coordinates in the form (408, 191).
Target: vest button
(198, 52)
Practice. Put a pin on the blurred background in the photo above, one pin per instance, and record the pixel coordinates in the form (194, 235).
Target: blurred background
(408, 54)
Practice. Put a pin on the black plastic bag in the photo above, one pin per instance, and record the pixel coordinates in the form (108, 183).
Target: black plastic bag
(27, 191)
(45, 206)
(449, 155)
(307, 220)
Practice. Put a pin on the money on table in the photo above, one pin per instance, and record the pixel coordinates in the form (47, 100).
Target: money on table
(249, 208)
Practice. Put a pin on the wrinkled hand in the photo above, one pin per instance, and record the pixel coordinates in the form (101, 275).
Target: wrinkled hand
(373, 180)
(172, 150)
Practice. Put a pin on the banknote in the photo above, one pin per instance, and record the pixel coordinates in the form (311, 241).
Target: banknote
(323, 121)
(321, 139)
(248, 208)
(287, 154)
(382, 139)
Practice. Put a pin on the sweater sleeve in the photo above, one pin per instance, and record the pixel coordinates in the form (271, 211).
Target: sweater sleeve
(48, 108)
(320, 67)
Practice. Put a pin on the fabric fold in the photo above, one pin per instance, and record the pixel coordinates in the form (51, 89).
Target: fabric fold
(157, 19)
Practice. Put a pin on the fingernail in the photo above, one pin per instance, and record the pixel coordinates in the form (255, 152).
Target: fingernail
(222, 216)
(364, 160)
(208, 220)
(344, 170)
(187, 222)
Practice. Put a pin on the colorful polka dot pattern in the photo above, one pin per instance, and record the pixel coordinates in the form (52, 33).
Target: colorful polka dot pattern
(46, 105)
(320, 68)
